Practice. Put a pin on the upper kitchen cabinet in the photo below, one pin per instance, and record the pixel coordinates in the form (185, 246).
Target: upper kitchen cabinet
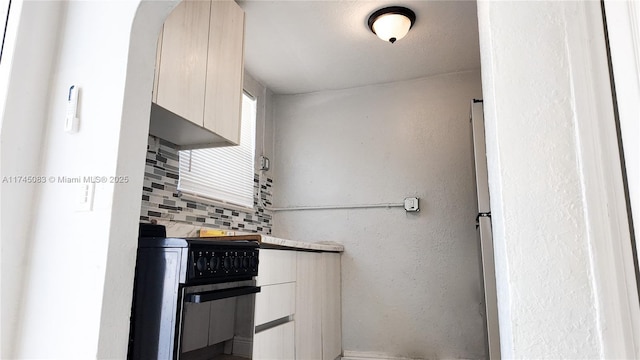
(223, 97)
(197, 95)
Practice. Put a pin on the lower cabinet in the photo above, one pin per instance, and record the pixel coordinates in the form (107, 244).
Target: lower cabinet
(309, 306)
(275, 302)
(275, 306)
(318, 306)
(303, 290)
(275, 343)
(331, 306)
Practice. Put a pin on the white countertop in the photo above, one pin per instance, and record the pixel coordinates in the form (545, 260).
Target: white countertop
(320, 246)
(175, 229)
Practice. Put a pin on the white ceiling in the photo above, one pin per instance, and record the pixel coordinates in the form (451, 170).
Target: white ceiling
(299, 46)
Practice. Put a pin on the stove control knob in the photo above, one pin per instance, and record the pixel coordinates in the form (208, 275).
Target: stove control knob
(227, 263)
(254, 261)
(214, 263)
(246, 262)
(201, 263)
(237, 262)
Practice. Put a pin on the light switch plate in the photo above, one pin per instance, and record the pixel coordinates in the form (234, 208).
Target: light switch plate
(85, 197)
(411, 204)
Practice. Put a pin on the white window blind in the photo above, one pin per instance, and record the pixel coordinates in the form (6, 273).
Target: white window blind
(224, 174)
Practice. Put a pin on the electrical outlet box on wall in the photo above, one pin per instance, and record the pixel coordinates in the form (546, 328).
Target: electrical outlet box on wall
(411, 204)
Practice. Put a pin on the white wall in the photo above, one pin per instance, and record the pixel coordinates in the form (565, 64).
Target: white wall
(562, 248)
(556, 270)
(411, 284)
(24, 85)
(76, 267)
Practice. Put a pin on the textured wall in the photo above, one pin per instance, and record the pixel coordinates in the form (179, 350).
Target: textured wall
(32, 29)
(89, 253)
(546, 109)
(542, 257)
(411, 284)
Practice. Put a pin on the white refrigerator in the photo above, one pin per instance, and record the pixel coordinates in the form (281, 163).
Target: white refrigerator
(483, 226)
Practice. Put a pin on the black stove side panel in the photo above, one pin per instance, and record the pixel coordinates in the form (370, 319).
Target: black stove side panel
(159, 272)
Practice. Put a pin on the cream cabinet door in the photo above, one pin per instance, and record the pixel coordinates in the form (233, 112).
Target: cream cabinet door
(223, 98)
(275, 302)
(331, 306)
(182, 74)
(276, 266)
(275, 343)
(308, 306)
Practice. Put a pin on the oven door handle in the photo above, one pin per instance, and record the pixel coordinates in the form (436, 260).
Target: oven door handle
(205, 296)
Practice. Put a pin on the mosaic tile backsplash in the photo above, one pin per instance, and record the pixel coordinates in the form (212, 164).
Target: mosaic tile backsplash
(161, 201)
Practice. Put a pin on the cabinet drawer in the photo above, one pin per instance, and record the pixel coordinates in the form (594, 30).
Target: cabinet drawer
(275, 302)
(276, 267)
(275, 343)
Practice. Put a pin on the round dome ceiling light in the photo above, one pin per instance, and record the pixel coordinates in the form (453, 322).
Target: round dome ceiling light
(392, 23)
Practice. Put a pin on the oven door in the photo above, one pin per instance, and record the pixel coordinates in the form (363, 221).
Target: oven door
(216, 319)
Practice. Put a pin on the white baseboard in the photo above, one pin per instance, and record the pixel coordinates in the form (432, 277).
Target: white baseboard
(370, 355)
(242, 346)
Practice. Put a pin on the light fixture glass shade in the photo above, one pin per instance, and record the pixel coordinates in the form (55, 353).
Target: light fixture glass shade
(391, 23)
(391, 27)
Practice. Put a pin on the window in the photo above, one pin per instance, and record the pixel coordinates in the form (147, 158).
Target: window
(223, 174)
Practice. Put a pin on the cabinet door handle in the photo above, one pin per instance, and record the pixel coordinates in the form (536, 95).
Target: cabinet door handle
(272, 324)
